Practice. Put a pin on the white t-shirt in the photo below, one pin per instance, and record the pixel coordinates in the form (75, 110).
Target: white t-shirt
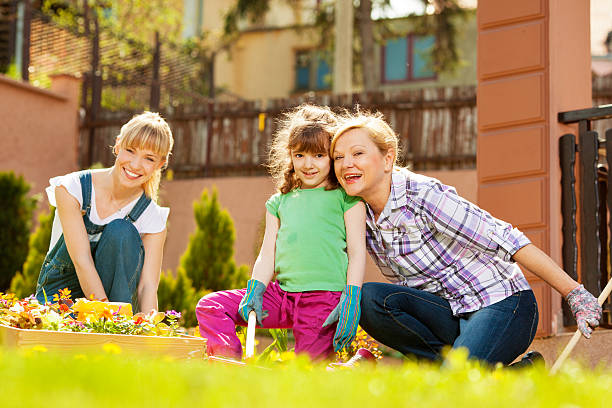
(152, 220)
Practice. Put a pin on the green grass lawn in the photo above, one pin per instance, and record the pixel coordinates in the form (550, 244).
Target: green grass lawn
(113, 378)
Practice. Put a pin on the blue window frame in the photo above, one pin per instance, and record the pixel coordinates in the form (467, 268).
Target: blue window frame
(407, 58)
(312, 71)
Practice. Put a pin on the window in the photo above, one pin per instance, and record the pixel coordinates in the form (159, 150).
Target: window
(312, 71)
(407, 58)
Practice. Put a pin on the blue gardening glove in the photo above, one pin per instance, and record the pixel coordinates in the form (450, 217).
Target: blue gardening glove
(585, 309)
(347, 314)
(253, 300)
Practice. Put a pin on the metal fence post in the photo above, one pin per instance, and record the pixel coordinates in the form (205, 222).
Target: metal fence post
(25, 53)
(155, 84)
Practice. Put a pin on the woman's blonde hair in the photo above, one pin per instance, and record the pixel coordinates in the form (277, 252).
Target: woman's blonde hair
(149, 131)
(378, 130)
(308, 128)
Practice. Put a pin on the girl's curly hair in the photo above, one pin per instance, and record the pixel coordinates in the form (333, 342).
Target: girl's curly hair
(308, 128)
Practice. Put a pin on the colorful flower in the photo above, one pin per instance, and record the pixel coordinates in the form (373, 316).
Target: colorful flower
(85, 316)
(173, 314)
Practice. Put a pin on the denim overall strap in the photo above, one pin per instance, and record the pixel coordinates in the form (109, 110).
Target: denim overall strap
(141, 205)
(57, 271)
(93, 230)
(85, 179)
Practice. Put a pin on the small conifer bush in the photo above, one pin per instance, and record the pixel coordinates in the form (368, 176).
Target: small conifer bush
(208, 263)
(24, 283)
(209, 258)
(15, 219)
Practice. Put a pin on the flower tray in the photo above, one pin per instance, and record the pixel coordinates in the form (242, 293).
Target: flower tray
(182, 347)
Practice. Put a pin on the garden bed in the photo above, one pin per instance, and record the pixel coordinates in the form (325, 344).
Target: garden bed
(180, 347)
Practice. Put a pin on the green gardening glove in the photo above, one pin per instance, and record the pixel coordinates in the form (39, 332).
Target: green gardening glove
(347, 314)
(253, 300)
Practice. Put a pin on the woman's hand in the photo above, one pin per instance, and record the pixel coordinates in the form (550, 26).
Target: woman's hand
(585, 308)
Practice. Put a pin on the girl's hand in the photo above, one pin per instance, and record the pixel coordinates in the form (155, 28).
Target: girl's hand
(253, 300)
(585, 308)
(347, 314)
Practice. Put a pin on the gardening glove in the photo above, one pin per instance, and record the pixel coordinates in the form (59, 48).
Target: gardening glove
(585, 308)
(347, 314)
(253, 300)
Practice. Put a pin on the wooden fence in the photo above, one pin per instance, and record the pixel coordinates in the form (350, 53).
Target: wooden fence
(437, 129)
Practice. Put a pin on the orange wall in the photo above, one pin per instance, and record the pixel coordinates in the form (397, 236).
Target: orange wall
(533, 62)
(244, 198)
(39, 129)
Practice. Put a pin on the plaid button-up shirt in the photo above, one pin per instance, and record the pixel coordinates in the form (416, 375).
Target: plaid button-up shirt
(429, 238)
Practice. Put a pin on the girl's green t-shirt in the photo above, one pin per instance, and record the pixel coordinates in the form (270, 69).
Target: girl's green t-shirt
(311, 241)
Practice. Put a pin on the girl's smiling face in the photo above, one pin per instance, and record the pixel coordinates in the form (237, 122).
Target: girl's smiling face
(359, 164)
(136, 166)
(311, 168)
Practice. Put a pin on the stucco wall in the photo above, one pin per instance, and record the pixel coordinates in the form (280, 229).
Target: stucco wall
(244, 198)
(39, 129)
(262, 61)
(601, 24)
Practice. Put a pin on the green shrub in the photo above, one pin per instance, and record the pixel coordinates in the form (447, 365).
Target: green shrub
(208, 260)
(207, 265)
(15, 219)
(12, 71)
(24, 283)
(177, 293)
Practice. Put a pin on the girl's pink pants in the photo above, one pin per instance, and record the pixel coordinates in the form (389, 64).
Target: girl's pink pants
(304, 312)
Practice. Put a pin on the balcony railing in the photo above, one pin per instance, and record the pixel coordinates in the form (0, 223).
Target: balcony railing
(595, 199)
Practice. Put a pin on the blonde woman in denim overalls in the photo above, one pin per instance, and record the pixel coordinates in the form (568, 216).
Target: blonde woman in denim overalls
(108, 233)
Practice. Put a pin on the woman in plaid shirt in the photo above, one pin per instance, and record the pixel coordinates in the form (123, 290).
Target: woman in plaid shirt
(452, 266)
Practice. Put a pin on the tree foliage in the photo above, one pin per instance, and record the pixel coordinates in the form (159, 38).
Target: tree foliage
(134, 20)
(15, 219)
(24, 282)
(125, 32)
(208, 260)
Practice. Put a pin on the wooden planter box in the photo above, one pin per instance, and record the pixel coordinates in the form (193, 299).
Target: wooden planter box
(177, 347)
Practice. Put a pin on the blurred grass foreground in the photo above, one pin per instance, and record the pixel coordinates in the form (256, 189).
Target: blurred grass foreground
(35, 376)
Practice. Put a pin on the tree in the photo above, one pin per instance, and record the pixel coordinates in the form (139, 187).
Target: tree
(24, 283)
(15, 218)
(136, 50)
(366, 34)
(135, 20)
(208, 260)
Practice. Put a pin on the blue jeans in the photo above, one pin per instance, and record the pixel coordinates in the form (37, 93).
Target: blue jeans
(420, 324)
(118, 256)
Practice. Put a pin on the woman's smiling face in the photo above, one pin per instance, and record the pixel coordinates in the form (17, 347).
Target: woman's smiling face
(136, 165)
(359, 164)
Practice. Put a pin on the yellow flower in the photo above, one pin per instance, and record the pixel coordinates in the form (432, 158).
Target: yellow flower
(106, 313)
(111, 348)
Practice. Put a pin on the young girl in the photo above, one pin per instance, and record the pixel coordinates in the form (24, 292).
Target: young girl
(108, 234)
(314, 242)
